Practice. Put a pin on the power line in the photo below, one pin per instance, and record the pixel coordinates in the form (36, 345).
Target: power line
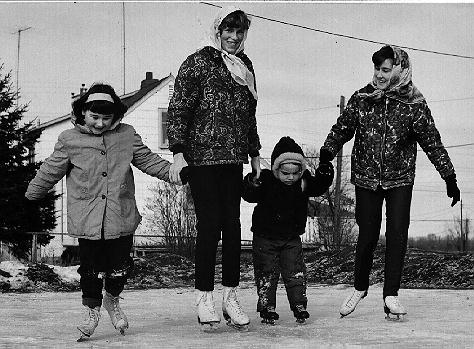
(348, 36)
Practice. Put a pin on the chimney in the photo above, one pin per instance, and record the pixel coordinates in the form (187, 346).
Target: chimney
(82, 90)
(148, 80)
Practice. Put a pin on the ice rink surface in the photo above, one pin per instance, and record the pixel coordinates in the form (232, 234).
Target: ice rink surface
(165, 318)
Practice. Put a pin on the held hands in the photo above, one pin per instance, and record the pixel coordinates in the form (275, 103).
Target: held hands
(175, 169)
(326, 169)
(255, 163)
(452, 189)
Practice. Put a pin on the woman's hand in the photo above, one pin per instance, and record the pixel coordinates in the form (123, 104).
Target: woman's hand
(178, 164)
(255, 163)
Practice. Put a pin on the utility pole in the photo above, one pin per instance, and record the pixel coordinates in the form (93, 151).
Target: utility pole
(123, 29)
(18, 61)
(463, 244)
(337, 189)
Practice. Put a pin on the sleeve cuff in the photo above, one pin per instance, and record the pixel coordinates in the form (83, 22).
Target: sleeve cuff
(177, 148)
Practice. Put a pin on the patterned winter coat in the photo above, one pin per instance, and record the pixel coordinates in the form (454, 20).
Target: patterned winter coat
(211, 118)
(99, 179)
(386, 137)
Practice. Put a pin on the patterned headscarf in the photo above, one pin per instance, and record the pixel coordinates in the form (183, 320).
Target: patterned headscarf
(400, 86)
(237, 68)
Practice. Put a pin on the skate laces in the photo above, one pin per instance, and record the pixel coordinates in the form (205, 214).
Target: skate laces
(116, 307)
(232, 299)
(208, 301)
(91, 316)
(354, 298)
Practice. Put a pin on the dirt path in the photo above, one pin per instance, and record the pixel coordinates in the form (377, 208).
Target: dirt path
(165, 318)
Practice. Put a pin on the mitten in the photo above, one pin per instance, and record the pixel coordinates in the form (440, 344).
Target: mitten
(325, 156)
(326, 169)
(452, 189)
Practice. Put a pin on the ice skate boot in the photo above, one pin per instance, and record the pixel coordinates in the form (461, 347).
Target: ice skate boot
(232, 310)
(90, 322)
(269, 316)
(392, 306)
(207, 314)
(351, 302)
(300, 313)
(117, 316)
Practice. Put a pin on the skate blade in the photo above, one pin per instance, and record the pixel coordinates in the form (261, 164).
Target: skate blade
(241, 328)
(209, 327)
(268, 322)
(83, 337)
(396, 317)
(301, 321)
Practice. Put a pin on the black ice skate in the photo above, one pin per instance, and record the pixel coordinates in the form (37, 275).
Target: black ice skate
(269, 316)
(300, 313)
(392, 306)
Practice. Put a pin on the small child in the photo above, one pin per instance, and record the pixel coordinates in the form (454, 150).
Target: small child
(278, 220)
(95, 156)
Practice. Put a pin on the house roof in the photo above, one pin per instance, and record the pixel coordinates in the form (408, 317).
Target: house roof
(129, 99)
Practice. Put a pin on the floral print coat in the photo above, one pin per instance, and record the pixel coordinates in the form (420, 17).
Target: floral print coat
(386, 136)
(211, 118)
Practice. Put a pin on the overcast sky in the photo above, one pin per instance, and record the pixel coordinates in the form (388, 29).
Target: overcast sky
(300, 73)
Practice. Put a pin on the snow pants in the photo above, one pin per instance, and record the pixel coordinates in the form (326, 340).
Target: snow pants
(110, 258)
(369, 219)
(216, 192)
(272, 257)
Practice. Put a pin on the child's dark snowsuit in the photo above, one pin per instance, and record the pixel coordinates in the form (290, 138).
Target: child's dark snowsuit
(278, 221)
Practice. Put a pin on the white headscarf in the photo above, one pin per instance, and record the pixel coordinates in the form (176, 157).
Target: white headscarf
(237, 68)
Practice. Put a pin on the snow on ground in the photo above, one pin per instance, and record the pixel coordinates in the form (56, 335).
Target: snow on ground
(165, 318)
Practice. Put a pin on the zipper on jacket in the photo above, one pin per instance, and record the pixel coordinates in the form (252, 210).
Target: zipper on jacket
(383, 139)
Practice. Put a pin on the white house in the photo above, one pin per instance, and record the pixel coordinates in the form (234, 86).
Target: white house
(147, 113)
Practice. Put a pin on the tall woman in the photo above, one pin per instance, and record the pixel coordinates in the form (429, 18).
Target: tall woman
(388, 117)
(212, 128)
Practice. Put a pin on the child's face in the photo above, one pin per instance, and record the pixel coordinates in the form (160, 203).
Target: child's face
(289, 173)
(98, 123)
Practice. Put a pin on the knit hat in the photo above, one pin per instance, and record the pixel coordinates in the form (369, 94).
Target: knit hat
(287, 151)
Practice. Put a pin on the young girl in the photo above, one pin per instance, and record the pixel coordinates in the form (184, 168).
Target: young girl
(95, 156)
(278, 220)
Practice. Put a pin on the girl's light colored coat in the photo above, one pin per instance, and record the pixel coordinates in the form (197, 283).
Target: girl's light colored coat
(99, 179)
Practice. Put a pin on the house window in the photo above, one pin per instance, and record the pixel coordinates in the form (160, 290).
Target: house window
(163, 116)
(170, 91)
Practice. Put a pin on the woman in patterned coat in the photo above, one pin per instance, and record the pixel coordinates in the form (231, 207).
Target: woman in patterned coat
(388, 117)
(213, 130)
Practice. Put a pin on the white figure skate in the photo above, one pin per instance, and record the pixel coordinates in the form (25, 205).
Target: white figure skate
(392, 306)
(90, 322)
(350, 303)
(207, 314)
(117, 316)
(232, 310)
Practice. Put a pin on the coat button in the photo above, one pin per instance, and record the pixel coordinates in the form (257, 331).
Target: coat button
(103, 196)
(102, 152)
(104, 174)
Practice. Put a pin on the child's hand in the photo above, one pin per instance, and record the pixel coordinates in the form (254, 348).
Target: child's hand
(255, 180)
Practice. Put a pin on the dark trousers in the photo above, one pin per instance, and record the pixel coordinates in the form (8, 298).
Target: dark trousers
(272, 257)
(110, 257)
(369, 218)
(216, 191)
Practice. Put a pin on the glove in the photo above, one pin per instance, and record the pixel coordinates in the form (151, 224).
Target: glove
(184, 175)
(325, 156)
(326, 169)
(452, 189)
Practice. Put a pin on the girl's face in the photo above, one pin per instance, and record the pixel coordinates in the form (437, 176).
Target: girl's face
(231, 39)
(289, 173)
(98, 123)
(383, 73)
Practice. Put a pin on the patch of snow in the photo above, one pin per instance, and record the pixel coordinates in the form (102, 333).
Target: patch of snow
(14, 268)
(66, 274)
